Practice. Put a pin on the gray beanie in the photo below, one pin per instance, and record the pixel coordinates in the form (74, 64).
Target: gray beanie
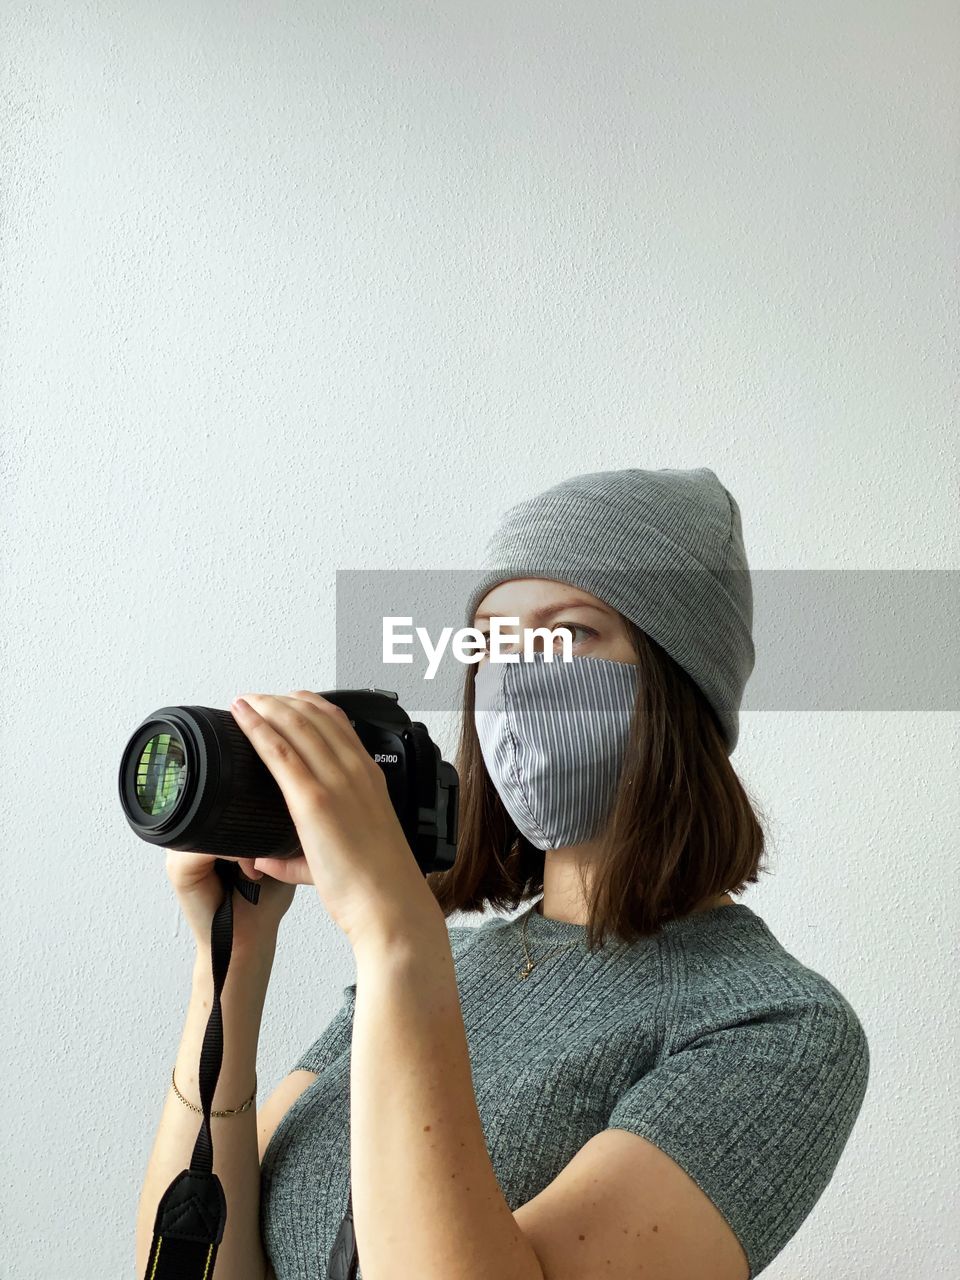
(664, 548)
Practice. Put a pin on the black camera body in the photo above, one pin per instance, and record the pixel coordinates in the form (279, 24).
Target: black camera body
(190, 779)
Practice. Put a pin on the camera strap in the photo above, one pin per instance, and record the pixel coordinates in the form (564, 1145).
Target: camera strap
(192, 1212)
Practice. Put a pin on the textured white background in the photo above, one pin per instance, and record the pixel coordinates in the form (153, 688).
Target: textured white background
(294, 287)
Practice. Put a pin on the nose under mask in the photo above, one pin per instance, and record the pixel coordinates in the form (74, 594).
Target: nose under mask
(553, 737)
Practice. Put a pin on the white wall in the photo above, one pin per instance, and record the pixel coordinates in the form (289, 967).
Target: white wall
(278, 277)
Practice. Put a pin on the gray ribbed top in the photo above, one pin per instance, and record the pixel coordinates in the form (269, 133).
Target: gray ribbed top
(711, 1040)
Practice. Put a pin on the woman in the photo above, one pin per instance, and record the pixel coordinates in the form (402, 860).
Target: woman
(632, 1076)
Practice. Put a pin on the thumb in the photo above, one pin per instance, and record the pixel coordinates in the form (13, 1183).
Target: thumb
(287, 870)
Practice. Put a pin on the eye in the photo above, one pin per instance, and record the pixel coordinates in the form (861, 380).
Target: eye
(573, 627)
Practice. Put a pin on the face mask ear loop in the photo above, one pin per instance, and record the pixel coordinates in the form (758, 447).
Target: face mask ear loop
(515, 835)
(508, 842)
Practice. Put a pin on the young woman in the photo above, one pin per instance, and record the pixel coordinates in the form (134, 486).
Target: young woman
(630, 1077)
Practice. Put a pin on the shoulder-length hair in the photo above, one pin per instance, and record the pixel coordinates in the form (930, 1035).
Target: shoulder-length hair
(682, 828)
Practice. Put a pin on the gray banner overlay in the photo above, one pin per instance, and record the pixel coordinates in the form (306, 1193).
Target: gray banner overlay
(825, 639)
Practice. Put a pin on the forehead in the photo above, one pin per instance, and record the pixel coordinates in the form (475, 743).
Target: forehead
(526, 595)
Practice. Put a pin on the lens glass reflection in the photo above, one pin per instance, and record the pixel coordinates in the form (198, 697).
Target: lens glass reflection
(161, 773)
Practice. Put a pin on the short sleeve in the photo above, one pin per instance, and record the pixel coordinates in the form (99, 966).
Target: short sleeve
(757, 1113)
(334, 1040)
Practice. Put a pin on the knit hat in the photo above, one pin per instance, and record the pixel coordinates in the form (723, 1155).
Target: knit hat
(664, 548)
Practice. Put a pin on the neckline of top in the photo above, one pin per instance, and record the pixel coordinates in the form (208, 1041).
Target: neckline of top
(547, 926)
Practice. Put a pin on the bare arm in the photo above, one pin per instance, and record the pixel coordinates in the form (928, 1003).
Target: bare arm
(236, 1158)
(426, 1200)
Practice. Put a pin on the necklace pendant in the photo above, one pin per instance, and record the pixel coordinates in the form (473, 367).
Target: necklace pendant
(526, 970)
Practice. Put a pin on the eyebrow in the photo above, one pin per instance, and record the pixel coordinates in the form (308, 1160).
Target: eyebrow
(549, 610)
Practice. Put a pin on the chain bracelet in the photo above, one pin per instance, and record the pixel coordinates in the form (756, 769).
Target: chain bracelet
(232, 1111)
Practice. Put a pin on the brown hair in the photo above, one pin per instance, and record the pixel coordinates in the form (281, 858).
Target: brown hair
(682, 828)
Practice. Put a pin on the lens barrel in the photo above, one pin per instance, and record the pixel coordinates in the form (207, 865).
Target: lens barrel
(190, 779)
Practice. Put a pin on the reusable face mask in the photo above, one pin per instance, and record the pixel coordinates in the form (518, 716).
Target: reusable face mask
(553, 737)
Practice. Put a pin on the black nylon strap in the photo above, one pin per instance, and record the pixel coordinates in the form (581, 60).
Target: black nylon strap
(188, 1229)
(174, 1258)
(192, 1212)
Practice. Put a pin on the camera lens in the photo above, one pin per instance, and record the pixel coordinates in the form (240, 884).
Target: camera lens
(190, 779)
(161, 774)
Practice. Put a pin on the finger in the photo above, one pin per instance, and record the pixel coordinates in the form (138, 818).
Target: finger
(336, 725)
(288, 870)
(301, 726)
(248, 869)
(295, 778)
(332, 718)
(333, 760)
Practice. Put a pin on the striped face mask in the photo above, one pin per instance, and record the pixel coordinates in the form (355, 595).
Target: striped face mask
(553, 736)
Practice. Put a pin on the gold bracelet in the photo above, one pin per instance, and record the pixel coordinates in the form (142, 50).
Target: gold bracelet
(234, 1111)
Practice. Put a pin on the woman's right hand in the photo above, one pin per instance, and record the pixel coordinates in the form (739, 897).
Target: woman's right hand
(199, 891)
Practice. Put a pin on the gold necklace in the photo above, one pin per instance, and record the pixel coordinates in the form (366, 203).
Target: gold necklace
(528, 967)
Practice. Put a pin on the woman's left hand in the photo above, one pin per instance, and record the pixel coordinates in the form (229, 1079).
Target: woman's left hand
(355, 852)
